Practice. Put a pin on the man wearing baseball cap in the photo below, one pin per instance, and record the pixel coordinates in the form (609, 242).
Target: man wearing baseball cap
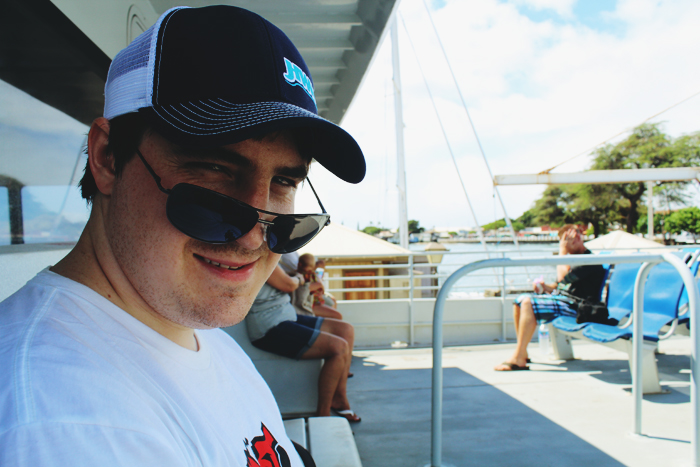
(111, 357)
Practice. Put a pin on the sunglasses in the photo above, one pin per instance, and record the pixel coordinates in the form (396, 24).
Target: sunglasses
(211, 217)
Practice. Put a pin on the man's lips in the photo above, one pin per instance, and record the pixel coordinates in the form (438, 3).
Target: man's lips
(221, 264)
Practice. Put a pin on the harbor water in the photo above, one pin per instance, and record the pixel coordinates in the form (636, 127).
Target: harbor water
(490, 280)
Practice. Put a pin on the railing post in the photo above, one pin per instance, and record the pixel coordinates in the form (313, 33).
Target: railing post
(411, 319)
(638, 344)
(503, 304)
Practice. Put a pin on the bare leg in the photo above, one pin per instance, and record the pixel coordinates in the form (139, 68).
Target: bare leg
(327, 312)
(345, 331)
(334, 345)
(525, 326)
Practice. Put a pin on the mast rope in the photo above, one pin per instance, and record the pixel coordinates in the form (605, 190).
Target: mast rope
(476, 136)
(447, 141)
(589, 150)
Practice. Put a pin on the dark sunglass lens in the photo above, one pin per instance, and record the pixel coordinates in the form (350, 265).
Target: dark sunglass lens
(289, 233)
(208, 216)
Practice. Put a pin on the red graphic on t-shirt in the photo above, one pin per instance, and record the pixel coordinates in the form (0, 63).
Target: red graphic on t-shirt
(267, 452)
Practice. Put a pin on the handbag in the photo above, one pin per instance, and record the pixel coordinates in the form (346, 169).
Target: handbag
(590, 312)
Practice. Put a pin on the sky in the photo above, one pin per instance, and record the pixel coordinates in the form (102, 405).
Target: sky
(543, 81)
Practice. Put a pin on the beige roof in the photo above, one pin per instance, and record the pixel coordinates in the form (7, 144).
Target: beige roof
(338, 240)
(619, 240)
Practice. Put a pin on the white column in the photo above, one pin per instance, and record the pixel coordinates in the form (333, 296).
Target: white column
(398, 112)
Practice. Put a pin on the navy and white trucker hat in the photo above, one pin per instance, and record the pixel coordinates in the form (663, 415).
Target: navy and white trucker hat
(218, 75)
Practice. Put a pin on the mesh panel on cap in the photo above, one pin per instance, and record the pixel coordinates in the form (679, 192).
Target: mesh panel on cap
(129, 83)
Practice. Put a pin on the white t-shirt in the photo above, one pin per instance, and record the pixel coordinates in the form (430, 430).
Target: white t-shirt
(83, 383)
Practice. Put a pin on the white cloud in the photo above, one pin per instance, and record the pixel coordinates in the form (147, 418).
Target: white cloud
(562, 7)
(538, 92)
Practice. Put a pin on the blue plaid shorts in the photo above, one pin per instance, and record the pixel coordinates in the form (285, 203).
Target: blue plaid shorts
(548, 307)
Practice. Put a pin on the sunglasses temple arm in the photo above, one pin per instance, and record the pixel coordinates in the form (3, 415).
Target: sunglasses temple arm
(153, 174)
(317, 198)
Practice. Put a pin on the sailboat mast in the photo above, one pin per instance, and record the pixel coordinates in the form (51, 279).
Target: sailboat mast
(398, 112)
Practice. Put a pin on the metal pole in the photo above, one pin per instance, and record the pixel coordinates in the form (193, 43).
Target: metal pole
(503, 304)
(398, 114)
(638, 344)
(650, 210)
(693, 303)
(411, 318)
(694, 300)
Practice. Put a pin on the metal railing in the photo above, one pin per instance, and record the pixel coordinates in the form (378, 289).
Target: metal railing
(499, 279)
(494, 278)
(648, 261)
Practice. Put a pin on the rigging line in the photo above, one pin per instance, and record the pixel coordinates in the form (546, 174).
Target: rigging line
(588, 151)
(447, 141)
(476, 136)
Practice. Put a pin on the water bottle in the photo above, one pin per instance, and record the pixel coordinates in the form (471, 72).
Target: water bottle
(543, 338)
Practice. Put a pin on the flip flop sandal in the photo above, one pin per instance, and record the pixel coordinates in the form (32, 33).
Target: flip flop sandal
(514, 367)
(347, 414)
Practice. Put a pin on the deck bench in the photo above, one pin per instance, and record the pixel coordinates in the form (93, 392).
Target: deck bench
(294, 383)
(662, 298)
(329, 440)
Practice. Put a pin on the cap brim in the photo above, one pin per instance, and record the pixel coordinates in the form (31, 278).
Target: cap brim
(216, 122)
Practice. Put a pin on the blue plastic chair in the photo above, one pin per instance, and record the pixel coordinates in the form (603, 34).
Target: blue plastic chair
(662, 295)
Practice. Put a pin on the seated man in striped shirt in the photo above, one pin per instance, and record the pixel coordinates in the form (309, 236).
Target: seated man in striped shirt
(552, 300)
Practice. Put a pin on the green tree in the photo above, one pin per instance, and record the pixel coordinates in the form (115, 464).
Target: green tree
(550, 208)
(527, 218)
(687, 219)
(500, 223)
(646, 147)
(372, 230)
(414, 227)
(606, 205)
(495, 225)
(659, 223)
(593, 205)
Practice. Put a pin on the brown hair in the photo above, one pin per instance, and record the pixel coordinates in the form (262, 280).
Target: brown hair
(306, 261)
(125, 135)
(566, 228)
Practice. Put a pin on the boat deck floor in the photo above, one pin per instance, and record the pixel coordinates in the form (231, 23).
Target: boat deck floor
(560, 413)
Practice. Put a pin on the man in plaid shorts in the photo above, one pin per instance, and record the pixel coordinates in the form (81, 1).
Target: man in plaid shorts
(549, 301)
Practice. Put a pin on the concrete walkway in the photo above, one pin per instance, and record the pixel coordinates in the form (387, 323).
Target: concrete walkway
(560, 413)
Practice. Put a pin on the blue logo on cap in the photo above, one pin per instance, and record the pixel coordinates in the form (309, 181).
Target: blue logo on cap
(296, 77)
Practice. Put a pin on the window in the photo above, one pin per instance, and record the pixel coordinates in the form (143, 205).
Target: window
(41, 162)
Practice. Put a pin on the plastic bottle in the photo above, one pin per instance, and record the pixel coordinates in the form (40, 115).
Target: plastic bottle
(539, 288)
(543, 338)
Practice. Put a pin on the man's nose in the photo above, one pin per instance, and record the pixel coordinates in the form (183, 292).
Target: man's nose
(257, 197)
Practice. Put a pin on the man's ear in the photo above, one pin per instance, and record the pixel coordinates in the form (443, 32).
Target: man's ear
(101, 162)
